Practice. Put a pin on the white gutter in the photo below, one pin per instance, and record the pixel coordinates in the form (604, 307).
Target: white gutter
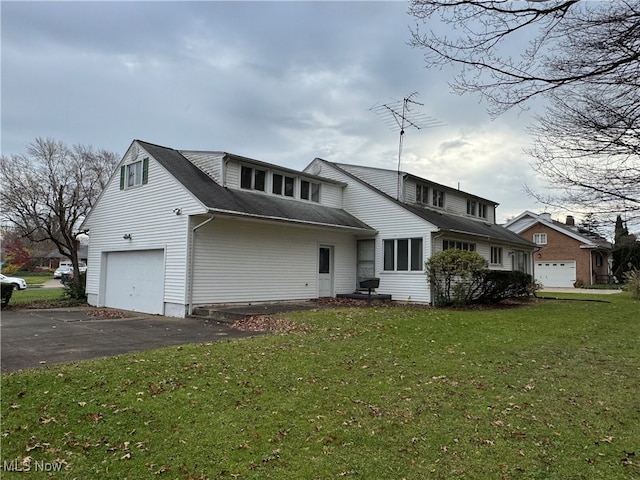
(192, 241)
(232, 213)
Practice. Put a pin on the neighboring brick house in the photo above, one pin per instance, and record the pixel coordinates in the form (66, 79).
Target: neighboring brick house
(569, 255)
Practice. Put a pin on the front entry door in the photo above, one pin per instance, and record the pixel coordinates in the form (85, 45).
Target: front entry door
(325, 271)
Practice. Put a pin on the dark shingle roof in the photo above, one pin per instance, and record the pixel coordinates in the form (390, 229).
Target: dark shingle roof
(447, 222)
(242, 203)
(457, 224)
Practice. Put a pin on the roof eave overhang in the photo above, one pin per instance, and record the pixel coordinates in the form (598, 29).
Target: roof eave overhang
(488, 237)
(595, 247)
(266, 218)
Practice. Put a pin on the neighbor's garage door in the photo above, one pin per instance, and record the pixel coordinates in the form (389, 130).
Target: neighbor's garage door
(556, 274)
(135, 281)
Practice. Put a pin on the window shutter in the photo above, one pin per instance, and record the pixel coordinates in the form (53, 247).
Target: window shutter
(145, 170)
(122, 174)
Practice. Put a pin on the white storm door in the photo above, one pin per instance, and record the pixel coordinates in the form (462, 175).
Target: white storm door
(325, 271)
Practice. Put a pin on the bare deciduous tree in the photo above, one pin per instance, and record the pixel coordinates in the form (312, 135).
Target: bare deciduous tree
(582, 57)
(47, 193)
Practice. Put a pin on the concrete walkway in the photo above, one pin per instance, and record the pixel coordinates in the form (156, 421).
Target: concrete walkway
(53, 283)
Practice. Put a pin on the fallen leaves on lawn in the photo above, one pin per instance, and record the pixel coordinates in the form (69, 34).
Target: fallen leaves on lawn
(266, 323)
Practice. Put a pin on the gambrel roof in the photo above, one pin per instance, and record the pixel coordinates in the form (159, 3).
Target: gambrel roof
(226, 201)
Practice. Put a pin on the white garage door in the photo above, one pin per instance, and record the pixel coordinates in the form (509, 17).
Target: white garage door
(135, 281)
(556, 273)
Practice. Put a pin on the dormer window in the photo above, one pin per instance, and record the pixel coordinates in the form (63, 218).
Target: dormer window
(309, 191)
(482, 210)
(438, 198)
(282, 185)
(252, 178)
(422, 193)
(477, 209)
(471, 207)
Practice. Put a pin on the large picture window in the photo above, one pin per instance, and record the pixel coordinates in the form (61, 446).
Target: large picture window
(402, 255)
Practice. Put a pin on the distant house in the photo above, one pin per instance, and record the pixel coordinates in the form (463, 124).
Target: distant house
(568, 255)
(178, 229)
(53, 259)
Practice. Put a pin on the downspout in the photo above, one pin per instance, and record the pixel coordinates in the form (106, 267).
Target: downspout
(590, 267)
(192, 242)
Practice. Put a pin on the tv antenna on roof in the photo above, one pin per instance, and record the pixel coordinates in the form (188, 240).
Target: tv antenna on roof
(399, 115)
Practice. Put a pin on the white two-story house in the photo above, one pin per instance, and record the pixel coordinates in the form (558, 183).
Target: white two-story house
(178, 229)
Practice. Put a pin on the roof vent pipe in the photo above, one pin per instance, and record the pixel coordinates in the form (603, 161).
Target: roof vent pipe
(570, 221)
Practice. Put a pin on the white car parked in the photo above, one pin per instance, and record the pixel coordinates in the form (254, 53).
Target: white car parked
(18, 283)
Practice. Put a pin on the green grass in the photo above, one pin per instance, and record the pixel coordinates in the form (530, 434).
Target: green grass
(33, 278)
(45, 297)
(544, 391)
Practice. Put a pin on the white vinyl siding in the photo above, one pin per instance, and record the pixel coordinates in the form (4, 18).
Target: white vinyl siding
(331, 195)
(385, 180)
(392, 222)
(455, 201)
(143, 213)
(209, 162)
(242, 262)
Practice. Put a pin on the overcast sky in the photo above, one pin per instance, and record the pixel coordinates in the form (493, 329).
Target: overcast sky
(282, 82)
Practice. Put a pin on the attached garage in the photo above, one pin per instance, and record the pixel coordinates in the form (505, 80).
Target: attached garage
(556, 273)
(134, 280)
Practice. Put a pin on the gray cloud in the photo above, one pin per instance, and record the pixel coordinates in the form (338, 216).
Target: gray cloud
(280, 81)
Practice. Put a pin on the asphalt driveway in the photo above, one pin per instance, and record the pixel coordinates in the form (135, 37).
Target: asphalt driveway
(37, 338)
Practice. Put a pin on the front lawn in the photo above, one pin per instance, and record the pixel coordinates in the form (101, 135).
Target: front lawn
(549, 390)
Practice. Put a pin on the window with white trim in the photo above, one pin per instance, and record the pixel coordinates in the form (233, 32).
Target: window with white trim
(282, 185)
(540, 238)
(496, 255)
(458, 245)
(134, 174)
(482, 210)
(471, 207)
(422, 193)
(309, 191)
(402, 255)
(252, 178)
(438, 198)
